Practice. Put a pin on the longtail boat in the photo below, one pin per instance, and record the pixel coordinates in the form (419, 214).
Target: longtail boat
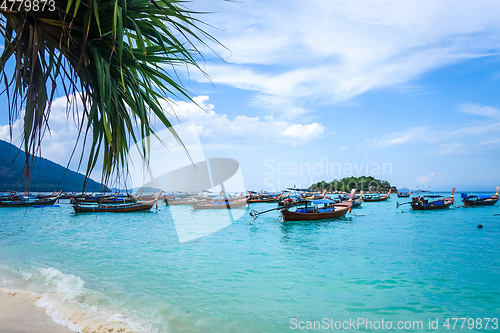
(403, 193)
(311, 210)
(355, 201)
(47, 196)
(179, 201)
(28, 201)
(12, 196)
(67, 195)
(295, 196)
(430, 201)
(104, 199)
(120, 208)
(376, 197)
(480, 200)
(291, 201)
(124, 208)
(263, 197)
(146, 197)
(314, 196)
(179, 198)
(315, 212)
(221, 203)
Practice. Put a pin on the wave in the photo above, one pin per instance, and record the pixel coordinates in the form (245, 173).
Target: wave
(65, 298)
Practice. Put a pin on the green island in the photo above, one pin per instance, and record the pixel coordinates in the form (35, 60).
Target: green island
(363, 183)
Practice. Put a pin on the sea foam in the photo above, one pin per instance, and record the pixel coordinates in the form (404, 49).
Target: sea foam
(68, 302)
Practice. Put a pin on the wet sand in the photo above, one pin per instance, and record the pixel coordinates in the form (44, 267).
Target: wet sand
(18, 314)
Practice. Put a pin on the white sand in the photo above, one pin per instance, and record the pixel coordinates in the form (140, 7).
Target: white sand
(18, 314)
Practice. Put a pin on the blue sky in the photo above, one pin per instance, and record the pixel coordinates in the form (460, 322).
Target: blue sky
(409, 88)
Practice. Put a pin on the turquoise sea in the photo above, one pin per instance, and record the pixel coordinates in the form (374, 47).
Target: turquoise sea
(129, 273)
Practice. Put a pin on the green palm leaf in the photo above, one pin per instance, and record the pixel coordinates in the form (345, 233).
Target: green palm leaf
(115, 56)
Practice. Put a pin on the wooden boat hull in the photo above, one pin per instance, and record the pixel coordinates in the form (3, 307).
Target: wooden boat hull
(138, 207)
(179, 202)
(224, 205)
(447, 204)
(407, 195)
(147, 197)
(381, 198)
(353, 204)
(41, 202)
(262, 200)
(289, 216)
(295, 203)
(103, 200)
(485, 202)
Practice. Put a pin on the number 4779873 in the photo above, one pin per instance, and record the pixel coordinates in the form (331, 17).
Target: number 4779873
(27, 5)
(471, 323)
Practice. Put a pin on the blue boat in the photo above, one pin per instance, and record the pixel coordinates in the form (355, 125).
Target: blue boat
(480, 200)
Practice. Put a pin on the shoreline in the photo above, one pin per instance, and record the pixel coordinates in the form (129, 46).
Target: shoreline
(19, 314)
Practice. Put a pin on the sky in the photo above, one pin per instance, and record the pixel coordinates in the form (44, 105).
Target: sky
(305, 91)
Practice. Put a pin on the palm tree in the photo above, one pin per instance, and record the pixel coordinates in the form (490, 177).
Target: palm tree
(117, 58)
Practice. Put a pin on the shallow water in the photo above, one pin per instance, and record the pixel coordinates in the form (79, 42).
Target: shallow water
(130, 271)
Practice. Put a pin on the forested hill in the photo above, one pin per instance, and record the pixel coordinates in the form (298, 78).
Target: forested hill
(363, 183)
(47, 176)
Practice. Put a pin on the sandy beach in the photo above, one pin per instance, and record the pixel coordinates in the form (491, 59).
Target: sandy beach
(18, 314)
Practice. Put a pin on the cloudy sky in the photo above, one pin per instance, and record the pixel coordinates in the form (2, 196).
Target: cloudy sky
(406, 91)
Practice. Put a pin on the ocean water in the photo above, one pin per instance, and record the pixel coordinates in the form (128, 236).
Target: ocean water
(129, 272)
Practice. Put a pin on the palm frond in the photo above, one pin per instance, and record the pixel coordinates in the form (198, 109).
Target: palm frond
(117, 57)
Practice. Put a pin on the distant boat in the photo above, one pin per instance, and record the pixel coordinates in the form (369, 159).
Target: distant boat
(180, 201)
(254, 197)
(103, 199)
(297, 196)
(480, 200)
(146, 197)
(355, 202)
(122, 208)
(67, 195)
(403, 193)
(115, 208)
(221, 203)
(180, 198)
(311, 210)
(28, 201)
(291, 201)
(264, 199)
(315, 212)
(426, 200)
(376, 197)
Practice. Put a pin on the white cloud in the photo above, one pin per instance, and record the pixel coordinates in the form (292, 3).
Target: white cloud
(226, 146)
(469, 148)
(219, 130)
(58, 144)
(415, 133)
(473, 130)
(219, 127)
(298, 132)
(424, 134)
(297, 52)
(493, 142)
(480, 110)
(450, 148)
(426, 179)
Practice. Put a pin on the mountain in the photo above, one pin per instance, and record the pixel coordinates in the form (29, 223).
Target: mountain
(46, 175)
